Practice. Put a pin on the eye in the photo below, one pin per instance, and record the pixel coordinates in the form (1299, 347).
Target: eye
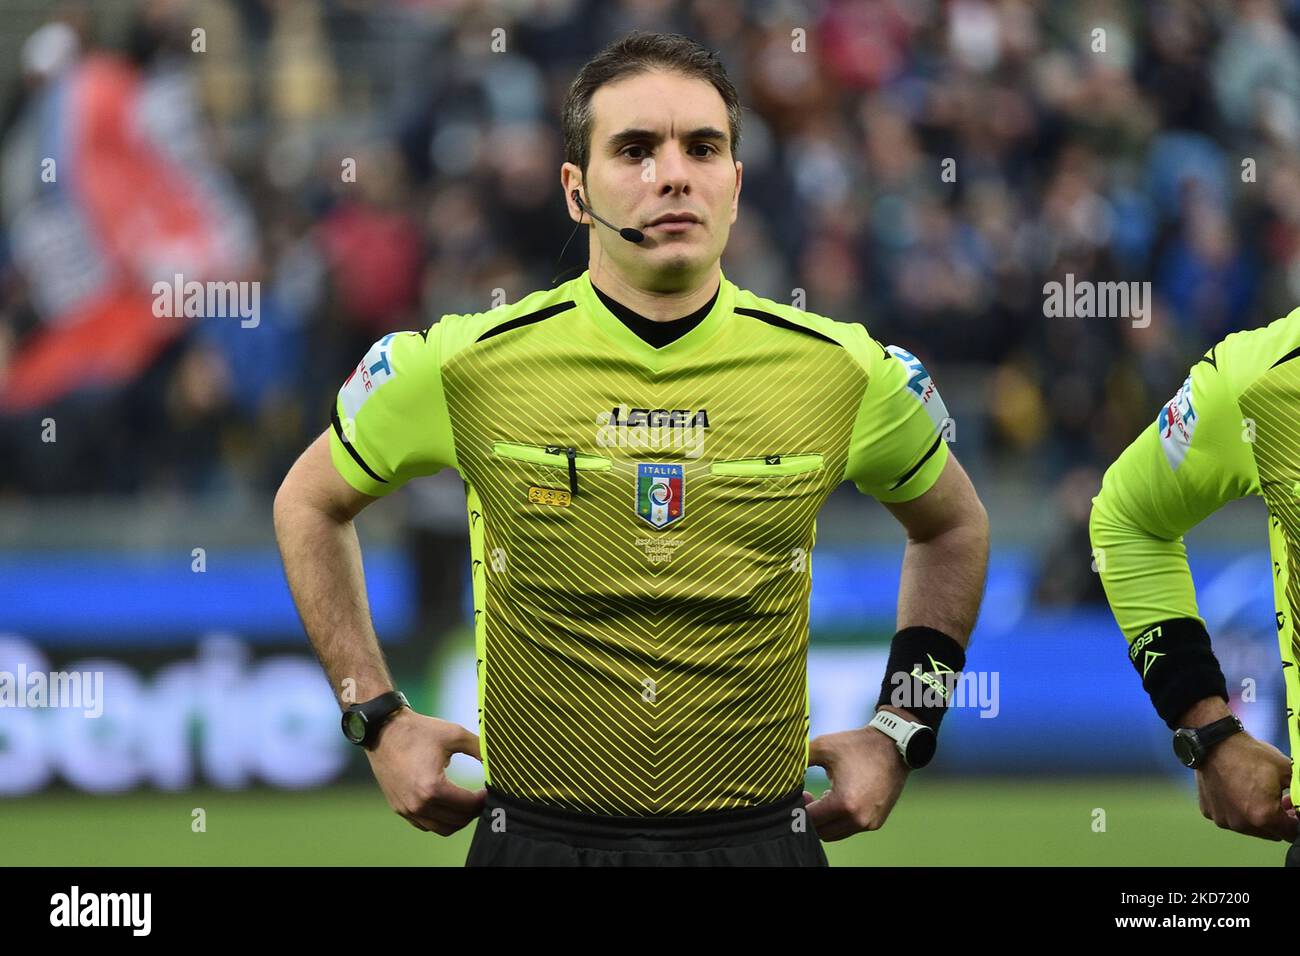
(708, 148)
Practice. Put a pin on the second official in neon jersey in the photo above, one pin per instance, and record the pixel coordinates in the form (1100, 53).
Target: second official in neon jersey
(1229, 431)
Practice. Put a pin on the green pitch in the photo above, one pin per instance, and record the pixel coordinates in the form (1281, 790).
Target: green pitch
(938, 822)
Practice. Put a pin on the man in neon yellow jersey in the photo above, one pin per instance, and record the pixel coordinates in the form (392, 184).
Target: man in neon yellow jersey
(645, 449)
(1232, 429)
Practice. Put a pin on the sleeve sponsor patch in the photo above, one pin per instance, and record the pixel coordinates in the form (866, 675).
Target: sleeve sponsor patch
(371, 372)
(1177, 424)
(922, 386)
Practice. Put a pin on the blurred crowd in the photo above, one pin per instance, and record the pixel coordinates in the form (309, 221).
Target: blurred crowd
(923, 167)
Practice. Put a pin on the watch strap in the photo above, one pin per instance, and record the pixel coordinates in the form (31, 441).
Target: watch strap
(1218, 731)
(901, 731)
(1193, 744)
(376, 713)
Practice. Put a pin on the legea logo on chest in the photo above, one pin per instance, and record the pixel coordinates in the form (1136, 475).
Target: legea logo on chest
(654, 429)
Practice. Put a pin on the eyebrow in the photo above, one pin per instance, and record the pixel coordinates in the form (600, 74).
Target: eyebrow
(624, 137)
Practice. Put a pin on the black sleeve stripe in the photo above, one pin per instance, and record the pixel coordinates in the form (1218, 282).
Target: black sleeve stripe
(781, 323)
(917, 467)
(528, 319)
(338, 430)
(1286, 358)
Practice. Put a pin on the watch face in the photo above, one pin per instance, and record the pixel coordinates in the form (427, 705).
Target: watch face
(1185, 747)
(921, 748)
(354, 726)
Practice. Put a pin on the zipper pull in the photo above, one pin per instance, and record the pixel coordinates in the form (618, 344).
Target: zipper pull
(573, 471)
(572, 454)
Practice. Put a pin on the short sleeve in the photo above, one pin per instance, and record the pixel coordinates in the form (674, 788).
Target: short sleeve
(390, 421)
(898, 449)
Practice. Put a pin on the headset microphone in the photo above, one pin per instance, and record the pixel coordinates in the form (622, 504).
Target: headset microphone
(627, 232)
(630, 234)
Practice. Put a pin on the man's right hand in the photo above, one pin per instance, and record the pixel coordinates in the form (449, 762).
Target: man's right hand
(1240, 788)
(410, 762)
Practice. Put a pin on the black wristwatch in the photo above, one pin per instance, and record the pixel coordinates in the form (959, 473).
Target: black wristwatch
(1193, 744)
(361, 722)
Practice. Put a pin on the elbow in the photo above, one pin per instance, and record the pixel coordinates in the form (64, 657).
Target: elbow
(980, 529)
(974, 521)
(1096, 524)
(967, 528)
(1108, 531)
(280, 508)
(287, 496)
(980, 518)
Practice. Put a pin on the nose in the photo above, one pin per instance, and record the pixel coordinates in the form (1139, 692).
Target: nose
(674, 171)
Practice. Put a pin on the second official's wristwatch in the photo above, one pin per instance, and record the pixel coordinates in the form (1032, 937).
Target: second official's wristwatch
(1193, 744)
(361, 722)
(916, 743)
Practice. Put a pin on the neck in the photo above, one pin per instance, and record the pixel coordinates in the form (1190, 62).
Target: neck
(658, 305)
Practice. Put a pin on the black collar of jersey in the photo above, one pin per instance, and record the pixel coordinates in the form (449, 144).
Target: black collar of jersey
(657, 334)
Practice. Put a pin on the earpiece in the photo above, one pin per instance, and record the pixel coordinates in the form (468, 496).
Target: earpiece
(628, 233)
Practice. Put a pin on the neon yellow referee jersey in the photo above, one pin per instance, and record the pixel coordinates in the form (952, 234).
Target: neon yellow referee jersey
(1232, 429)
(641, 526)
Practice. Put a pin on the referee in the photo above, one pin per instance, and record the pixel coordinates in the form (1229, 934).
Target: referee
(1231, 430)
(644, 449)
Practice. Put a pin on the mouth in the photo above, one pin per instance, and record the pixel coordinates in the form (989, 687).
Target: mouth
(674, 228)
(675, 222)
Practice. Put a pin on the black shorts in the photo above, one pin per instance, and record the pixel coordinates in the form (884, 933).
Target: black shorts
(515, 832)
(1293, 854)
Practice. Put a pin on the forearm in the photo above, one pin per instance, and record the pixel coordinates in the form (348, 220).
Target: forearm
(322, 562)
(1146, 577)
(942, 579)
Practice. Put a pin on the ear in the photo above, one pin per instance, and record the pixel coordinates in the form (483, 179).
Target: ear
(571, 181)
(735, 199)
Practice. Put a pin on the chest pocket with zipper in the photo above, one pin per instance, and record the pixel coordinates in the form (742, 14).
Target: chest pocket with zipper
(569, 460)
(768, 466)
(763, 507)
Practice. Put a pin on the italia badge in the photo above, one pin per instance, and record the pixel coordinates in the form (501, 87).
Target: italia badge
(660, 493)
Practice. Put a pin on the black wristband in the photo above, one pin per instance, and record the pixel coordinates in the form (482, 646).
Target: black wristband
(1177, 666)
(924, 666)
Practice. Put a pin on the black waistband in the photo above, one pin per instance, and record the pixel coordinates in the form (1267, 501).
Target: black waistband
(770, 818)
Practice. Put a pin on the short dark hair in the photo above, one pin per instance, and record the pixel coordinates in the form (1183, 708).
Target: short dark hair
(641, 52)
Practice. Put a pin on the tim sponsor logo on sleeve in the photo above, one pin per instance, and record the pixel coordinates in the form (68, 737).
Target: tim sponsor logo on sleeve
(923, 387)
(102, 909)
(1177, 424)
